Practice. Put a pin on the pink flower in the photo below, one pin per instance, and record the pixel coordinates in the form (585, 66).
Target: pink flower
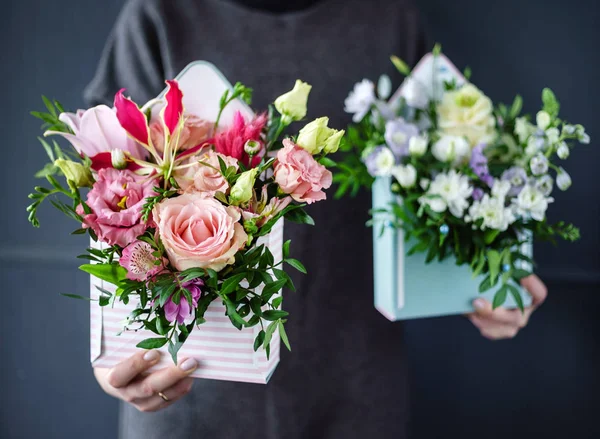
(206, 176)
(138, 260)
(97, 131)
(262, 210)
(195, 132)
(199, 232)
(231, 142)
(116, 200)
(298, 174)
(183, 310)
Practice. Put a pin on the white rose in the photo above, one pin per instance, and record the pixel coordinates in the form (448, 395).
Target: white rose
(451, 149)
(563, 151)
(414, 93)
(417, 145)
(360, 100)
(467, 112)
(543, 120)
(406, 175)
(563, 180)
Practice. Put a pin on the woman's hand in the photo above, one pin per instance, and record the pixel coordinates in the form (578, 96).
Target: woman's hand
(504, 323)
(147, 392)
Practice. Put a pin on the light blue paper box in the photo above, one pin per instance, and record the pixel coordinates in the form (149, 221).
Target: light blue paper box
(406, 287)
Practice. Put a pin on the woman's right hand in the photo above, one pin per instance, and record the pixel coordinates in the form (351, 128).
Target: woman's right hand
(129, 382)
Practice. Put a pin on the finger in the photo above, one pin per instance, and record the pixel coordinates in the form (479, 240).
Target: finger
(536, 288)
(126, 371)
(484, 310)
(493, 330)
(174, 393)
(160, 380)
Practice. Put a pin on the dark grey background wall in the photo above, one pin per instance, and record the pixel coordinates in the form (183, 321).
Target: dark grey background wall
(544, 383)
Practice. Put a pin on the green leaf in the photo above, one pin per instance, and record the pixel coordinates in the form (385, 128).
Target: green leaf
(490, 235)
(281, 274)
(233, 315)
(519, 274)
(296, 264)
(286, 248)
(516, 107)
(104, 300)
(274, 314)
(112, 273)
(273, 288)
(514, 291)
(485, 285)
(152, 343)
(299, 216)
(258, 341)
(284, 336)
(480, 265)
(230, 284)
(174, 349)
(327, 162)
(551, 105)
(76, 296)
(277, 302)
(269, 333)
(500, 296)
(494, 260)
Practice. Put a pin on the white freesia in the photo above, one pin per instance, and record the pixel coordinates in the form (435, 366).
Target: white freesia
(417, 145)
(467, 112)
(531, 202)
(539, 164)
(360, 100)
(523, 129)
(543, 120)
(415, 93)
(451, 149)
(405, 174)
(552, 134)
(563, 180)
(494, 213)
(448, 191)
(563, 151)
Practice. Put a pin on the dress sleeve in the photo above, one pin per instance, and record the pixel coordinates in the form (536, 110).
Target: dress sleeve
(131, 58)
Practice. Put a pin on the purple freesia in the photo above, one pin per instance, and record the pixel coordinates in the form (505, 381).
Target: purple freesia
(183, 310)
(517, 177)
(479, 164)
(398, 133)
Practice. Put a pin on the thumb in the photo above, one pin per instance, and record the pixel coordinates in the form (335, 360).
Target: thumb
(482, 307)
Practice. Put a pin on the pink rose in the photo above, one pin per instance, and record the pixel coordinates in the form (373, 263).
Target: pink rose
(195, 131)
(205, 177)
(199, 232)
(298, 174)
(116, 200)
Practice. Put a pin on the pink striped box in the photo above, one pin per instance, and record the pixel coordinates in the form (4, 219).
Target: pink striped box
(224, 352)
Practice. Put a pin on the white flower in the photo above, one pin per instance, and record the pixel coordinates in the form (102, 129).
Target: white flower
(543, 120)
(406, 175)
(384, 87)
(582, 136)
(563, 180)
(545, 185)
(493, 212)
(360, 99)
(451, 149)
(531, 202)
(452, 190)
(569, 129)
(552, 134)
(467, 112)
(534, 145)
(424, 183)
(523, 129)
(118, 159)
(563, 150)
(417, 145)
(415, 93)
(382, 163)
(538, 164)
(500, 189)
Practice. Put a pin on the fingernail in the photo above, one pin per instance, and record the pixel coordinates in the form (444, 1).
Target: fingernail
(189, 365)
(479, 304)
(151, 356)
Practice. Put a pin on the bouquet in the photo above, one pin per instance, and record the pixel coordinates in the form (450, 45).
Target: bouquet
(176, 204)
(471, 180)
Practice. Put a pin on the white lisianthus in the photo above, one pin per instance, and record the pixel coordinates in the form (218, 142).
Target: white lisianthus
(563, 151)
(414, 93)
(538, 164)
(545, 185)
(552, 134)
(417, 145)
(448, 191)
(405, 174)
(523, 129)
(451, 149)
(493, 212)
(360, 100)
(467, 112)
(543, 120)
(531, 202)
(563, 180)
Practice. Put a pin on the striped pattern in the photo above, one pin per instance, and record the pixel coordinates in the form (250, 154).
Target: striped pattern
(224, 352)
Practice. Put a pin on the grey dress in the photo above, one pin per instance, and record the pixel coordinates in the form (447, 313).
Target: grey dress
(347, 374)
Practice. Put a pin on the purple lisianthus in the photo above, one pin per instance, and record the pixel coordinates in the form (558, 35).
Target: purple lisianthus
(184, 309)
(477, 194)
(517, 177)
(479, 164)
(398, 133)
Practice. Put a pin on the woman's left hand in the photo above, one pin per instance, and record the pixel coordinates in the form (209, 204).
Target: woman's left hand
(504, 323)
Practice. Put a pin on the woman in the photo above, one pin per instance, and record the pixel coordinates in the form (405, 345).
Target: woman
(346, 377)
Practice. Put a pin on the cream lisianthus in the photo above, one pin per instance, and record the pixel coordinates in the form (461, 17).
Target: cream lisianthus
(243, 189)
(292, 105)
(467, 112)
(317, 137)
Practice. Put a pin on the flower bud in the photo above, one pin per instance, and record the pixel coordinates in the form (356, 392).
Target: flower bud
(243, 189)
(417, 145)
(118, 159)
(77, 175)
(253, 147)
(563, 151)
(543, 120)
(293, 103)
(563, 180)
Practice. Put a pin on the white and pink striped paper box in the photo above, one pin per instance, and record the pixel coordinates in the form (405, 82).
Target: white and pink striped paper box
(224, 352)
